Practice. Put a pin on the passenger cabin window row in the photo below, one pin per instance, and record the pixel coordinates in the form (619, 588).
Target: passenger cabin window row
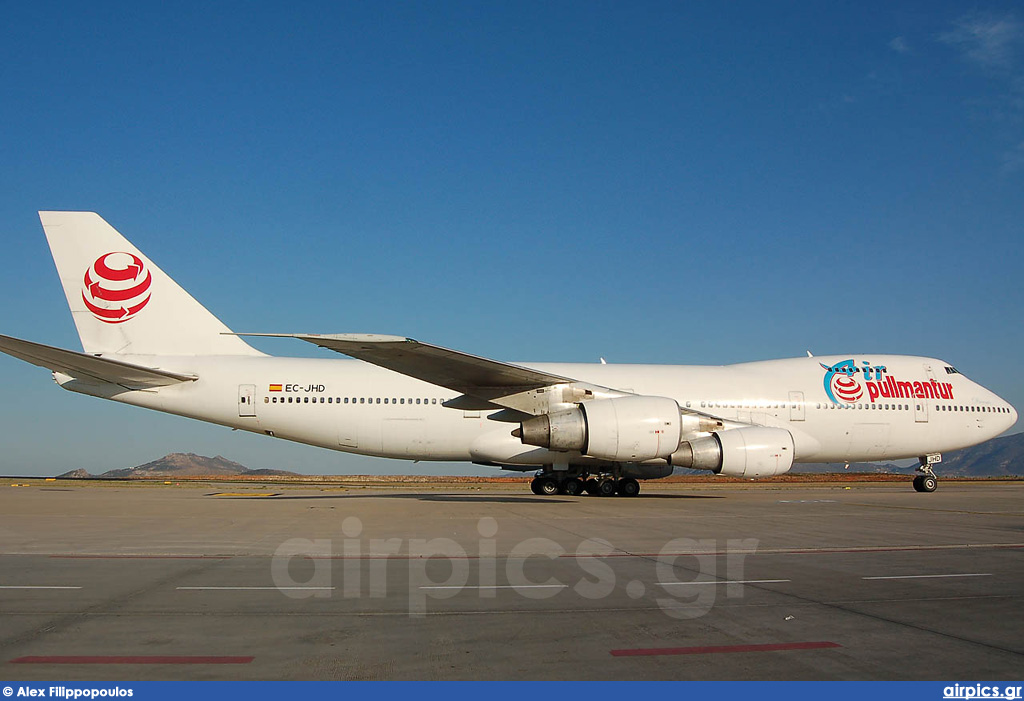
(981, 409)
(854, 405)
(421, 401)
(866, 405)
(351, 400)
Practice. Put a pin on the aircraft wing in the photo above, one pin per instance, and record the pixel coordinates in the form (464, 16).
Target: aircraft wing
(90, 367)
(453, 369)
(480, 378)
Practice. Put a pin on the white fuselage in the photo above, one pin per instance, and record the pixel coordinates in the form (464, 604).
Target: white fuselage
(890, 407)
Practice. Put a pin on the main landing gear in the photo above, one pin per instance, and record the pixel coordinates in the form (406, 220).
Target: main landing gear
(927, 481)
(603, 485)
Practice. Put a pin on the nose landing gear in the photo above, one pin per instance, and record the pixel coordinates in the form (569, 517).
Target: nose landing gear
(927, 481)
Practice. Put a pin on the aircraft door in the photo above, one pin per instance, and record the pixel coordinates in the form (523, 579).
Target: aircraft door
(247, 400)
(796, 406)
(920, 403)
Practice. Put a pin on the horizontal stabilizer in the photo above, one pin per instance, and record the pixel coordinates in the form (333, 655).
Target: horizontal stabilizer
(89, 367)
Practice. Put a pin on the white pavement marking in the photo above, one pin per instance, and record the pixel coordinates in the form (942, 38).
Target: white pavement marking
(727, 581)
(933, 576)
(32, 586)
(254, 588)
(502, 586)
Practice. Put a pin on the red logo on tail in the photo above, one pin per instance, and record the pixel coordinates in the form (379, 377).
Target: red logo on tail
(117, 287)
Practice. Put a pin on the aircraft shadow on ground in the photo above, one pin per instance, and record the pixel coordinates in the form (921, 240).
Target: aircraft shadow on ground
(460, 498)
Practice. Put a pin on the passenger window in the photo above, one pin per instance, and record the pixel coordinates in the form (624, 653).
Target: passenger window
(433, 401)
(385, 400)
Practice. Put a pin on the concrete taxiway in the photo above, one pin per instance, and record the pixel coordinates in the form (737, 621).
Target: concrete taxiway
(243, 581)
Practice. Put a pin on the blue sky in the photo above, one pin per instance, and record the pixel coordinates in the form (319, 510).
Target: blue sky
(648, 182)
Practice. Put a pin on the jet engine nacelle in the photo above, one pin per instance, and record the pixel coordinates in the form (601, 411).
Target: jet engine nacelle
(753, 451)
(623, 429)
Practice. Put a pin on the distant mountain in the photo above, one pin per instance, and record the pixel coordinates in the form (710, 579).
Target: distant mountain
(182, 465)
(75, 474)
(998, 457)
(994, 458)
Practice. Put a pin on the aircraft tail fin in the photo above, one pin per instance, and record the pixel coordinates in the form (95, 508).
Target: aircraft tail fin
(121, 301)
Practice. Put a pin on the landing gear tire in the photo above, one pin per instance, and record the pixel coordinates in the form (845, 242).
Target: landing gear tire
(590, 486)
(535, 486)
(925, 483)
(547, 485)
(571, 487)
(628, 487)
(606, 488)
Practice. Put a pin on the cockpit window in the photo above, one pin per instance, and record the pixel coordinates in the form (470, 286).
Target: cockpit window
(952, 371)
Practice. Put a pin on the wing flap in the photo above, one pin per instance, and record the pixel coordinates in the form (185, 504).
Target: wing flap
(89, 367)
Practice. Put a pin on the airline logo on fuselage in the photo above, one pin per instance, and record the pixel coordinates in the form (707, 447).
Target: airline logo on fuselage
(117, 287)
(848, 383)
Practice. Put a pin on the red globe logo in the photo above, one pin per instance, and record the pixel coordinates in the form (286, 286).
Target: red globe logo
(117, 287)
(846, 388)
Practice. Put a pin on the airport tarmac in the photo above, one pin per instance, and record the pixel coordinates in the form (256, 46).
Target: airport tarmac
(267, 581)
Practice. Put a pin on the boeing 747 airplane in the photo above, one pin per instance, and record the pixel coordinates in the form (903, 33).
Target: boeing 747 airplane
(597, 428)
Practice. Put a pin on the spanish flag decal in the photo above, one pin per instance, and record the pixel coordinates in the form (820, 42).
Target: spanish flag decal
(275, 388)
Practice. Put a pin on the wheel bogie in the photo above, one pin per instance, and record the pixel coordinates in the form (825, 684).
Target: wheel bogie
(571, 486)
(574, 483)
(627, 487)
(548, 486)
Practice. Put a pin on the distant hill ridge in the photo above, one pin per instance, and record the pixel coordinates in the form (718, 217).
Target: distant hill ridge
(181, 465)
(999, 457)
